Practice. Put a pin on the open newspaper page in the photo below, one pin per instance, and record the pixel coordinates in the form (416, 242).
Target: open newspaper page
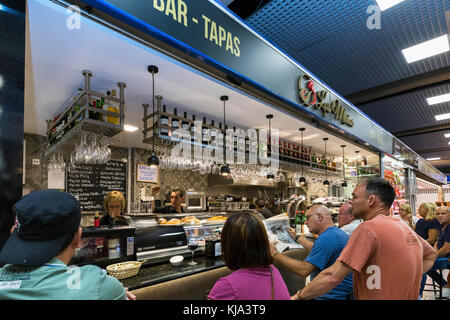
(276, 228)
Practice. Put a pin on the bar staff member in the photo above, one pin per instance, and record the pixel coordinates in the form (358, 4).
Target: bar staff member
(114, 204)
(176, 199)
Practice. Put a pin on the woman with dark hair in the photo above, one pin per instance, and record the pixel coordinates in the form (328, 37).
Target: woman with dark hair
(246, 252)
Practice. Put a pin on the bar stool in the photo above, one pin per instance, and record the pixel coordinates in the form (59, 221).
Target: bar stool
(440, 264)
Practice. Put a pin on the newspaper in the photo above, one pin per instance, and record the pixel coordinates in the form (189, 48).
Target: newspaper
(276, 228)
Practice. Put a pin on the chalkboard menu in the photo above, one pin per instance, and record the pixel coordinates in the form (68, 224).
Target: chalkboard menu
(90, 183)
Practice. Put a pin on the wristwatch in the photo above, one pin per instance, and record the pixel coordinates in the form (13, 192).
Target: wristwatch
(296, 238)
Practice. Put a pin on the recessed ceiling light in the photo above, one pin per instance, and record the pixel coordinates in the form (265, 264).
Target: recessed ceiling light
(386, 4)
(426, 49)
(439, 99)
(443, 116)
(447, 135)
(432, 159)
(130, 128)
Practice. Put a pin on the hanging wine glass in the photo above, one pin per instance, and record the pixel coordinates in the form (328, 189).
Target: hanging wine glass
(95, 151)
(61, 163)
(82, 150)
(52, 164)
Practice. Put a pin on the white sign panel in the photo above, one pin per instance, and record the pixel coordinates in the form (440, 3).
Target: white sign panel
(56, 179)
(147, 173)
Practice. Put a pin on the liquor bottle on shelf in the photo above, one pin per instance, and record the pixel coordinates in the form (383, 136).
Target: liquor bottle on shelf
(101, 116)
(309, 156)
(91, 113)
(78, 107)
(285, 151)
(296, 155)
(297, 222)
(280, 150)
(193, 128)
(115, 107)
(322, 163)
(204, 132)
(175, 121)
(299, 155)
(333, 165)
(97, 220)
(98, 106)
(184, 123)
(213, 131)
(314, 160)
(235, 140)
(106, 106)
(302, 156)
(164, 122)
(289, 152)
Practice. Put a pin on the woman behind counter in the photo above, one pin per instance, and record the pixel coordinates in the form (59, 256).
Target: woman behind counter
(114, 204)
(246, 251)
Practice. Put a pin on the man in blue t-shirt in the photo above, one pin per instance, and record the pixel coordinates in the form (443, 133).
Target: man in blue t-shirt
(322, 253)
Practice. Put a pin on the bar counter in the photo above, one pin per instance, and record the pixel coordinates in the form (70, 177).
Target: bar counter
(153, 274)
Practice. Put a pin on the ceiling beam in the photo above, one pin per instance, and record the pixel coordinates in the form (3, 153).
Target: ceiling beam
(417, 131)
(433, 150)
(415, 83)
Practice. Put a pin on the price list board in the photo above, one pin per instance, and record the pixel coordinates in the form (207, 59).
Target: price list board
(90, 183)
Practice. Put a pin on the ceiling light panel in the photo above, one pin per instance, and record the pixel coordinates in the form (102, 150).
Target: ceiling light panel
(386, 4)
(439, 99)
(426, 49)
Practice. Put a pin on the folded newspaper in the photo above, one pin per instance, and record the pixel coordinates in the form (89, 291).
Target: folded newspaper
(277, 233)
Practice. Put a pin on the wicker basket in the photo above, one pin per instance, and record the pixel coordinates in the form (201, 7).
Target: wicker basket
(124, 270)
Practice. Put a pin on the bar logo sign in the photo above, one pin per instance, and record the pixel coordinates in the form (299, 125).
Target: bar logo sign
(310, 96)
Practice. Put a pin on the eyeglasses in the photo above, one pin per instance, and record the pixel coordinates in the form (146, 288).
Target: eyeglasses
(441, 213)
(115, 207)
(307, 217)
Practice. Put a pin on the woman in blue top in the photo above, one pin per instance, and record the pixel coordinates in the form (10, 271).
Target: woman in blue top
(428, 226)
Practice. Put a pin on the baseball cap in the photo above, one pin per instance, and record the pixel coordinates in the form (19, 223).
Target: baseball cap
(45, 219)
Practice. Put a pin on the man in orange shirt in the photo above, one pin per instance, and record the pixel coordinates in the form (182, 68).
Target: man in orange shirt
(387, 257)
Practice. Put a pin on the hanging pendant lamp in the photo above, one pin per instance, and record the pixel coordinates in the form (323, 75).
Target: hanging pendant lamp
(344, 184)
(302, 179)
(153, 160)
(224, 169)
(326, 182)
(357, 164)
(270, 176)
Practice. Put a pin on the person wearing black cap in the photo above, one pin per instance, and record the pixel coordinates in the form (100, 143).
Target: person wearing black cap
(37, 253)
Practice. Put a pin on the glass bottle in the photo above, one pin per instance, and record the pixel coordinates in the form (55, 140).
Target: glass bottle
(185, 123)
(113, 107)
(193, 128)
(96, 219)
(297, 222)
(164, 122)
(175, 121)
(204, 132)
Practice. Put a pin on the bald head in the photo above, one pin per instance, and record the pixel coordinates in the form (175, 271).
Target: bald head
(321, 209)
(318, 219)
(345, 215)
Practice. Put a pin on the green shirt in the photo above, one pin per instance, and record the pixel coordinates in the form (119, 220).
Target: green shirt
(57, 281)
